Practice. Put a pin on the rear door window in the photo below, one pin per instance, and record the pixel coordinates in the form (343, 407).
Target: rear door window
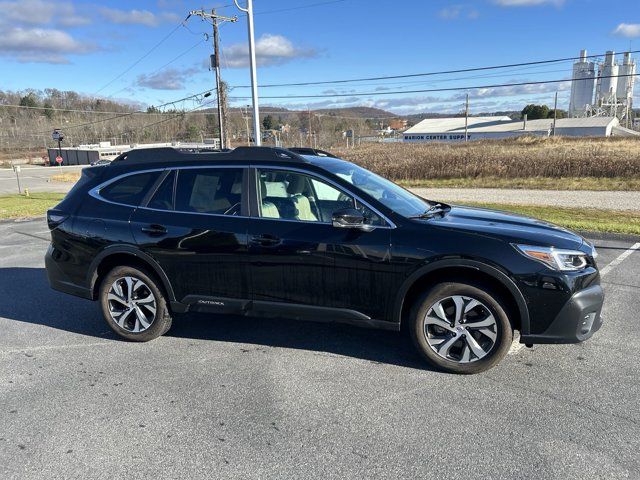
(209, 190)
(163, 198)
(131, 189)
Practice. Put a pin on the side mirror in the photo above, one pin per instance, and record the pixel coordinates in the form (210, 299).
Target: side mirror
(350, 218)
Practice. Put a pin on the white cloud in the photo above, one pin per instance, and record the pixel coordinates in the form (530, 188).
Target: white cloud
(40, 45)
(138, 17)
(168, 79)
(455, 12)
(528, 3)
(270, 50)
(39, 12)
(485, 99)
(629, 30)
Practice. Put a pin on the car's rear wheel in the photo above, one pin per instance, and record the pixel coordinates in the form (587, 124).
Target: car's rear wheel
(133, 304)
(461, 328)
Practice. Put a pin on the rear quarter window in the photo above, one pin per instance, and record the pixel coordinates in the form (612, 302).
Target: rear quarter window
(131, 189)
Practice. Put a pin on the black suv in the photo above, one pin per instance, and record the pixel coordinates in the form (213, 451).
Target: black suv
(268, 231)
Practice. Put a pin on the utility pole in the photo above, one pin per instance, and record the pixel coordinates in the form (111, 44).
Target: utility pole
(246, 123)
(466, 120)
(309, 132)
(215, 63)
(555, 114)
(252, 63)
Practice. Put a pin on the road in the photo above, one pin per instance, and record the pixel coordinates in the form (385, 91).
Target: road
(38, 180)
(227, 397)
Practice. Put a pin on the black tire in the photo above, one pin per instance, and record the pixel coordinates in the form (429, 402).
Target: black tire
(161, 321)
(503, 330)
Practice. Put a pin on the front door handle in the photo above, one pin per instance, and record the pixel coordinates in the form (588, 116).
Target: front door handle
(154, 230)
(265, 240)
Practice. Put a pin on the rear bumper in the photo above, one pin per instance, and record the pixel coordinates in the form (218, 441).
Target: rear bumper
(58, 280)
(578, 320)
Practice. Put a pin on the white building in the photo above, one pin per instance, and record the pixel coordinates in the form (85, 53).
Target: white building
(452, 129)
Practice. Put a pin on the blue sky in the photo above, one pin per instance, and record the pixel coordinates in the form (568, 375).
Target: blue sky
(84, 46)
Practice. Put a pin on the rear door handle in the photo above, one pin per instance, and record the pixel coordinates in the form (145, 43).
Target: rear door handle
(154, 230)
(265, 240)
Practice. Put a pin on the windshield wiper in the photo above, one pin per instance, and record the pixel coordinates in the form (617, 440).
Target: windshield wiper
(435, 209)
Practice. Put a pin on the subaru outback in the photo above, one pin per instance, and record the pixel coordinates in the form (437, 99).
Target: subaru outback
(302, 234)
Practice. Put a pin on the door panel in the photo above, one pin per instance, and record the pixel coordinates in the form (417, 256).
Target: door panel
(203, 249)
(202, 255)
(321, 265)
(311, 262)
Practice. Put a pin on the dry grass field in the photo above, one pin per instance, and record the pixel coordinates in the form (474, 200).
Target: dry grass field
(520, 158)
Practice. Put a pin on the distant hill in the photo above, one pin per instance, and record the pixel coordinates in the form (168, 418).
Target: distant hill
(359, 112)
(355, 112)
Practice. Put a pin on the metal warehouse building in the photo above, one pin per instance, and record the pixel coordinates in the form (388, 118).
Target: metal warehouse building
(452, 129)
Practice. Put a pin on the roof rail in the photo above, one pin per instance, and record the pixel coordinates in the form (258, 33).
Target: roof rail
(311, 151)
(171, 154)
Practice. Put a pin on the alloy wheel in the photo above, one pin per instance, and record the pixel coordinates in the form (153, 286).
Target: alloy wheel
(460, 328)
(132, 305)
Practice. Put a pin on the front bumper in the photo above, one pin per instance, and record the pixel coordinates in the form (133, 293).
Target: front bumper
(576, 322)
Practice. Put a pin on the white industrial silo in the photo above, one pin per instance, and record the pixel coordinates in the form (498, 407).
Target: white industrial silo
(608, 78)
(626, 80)
(582, 84)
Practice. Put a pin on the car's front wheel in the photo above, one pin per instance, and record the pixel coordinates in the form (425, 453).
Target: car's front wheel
(133, 304)
(461, 328)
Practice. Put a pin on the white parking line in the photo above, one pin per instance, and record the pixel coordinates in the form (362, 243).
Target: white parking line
(620, 259)
(516, 346)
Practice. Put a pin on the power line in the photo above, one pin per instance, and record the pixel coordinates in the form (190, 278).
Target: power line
(172, 117)
(319, 4)
(70, 110)
(71, 127)
(428, 74)
(164, 39)
(429, 90)
(300, 7)
(206, 37)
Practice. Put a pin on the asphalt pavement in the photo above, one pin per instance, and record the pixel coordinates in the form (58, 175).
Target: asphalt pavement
(228, 397)
(36, 179)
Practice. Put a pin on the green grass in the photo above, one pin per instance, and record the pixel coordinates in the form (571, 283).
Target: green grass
(585, 219)
(20, 206)
(534, 183)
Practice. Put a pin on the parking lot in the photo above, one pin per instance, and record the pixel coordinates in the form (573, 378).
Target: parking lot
(221, 397)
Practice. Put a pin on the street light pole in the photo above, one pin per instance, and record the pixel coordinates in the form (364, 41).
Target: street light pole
(254, 79)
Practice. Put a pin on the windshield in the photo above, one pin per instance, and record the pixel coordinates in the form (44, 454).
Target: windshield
(386, 192)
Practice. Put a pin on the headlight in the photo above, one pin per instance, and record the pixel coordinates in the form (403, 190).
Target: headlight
(563, 260)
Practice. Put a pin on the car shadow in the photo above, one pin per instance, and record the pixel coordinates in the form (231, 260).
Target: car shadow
(25, 296)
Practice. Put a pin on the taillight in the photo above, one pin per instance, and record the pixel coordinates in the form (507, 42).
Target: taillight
(55, 218)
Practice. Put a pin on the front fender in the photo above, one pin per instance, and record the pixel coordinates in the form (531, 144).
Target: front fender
(476, 265)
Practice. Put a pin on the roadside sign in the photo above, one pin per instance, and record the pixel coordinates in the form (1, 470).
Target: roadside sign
(59, 160)
(57, 135)
(17, 168)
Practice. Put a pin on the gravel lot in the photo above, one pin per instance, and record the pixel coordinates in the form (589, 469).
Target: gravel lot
(227, 397)
(605, 200)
